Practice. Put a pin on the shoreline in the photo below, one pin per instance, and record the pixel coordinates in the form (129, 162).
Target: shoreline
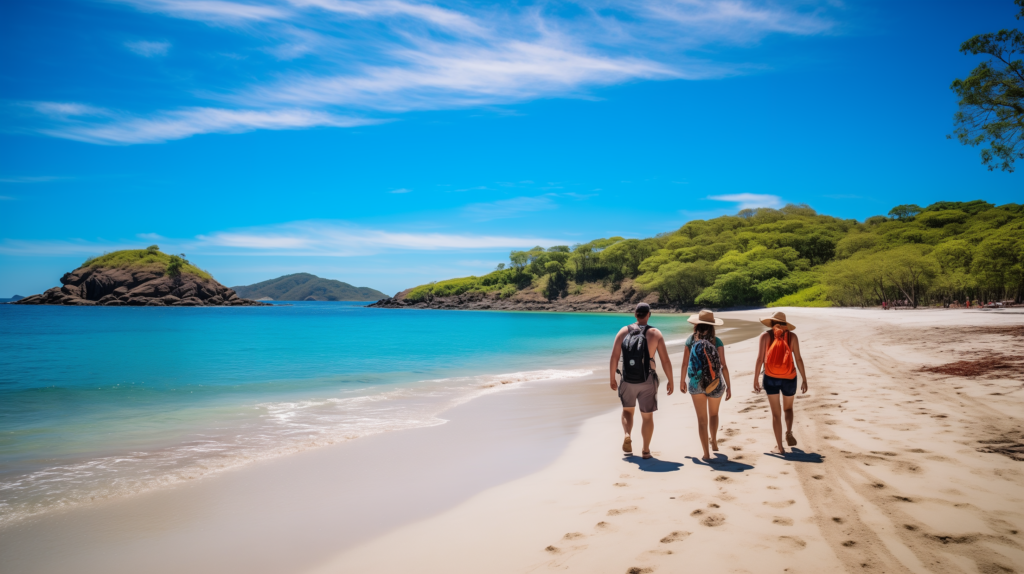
(529, 427)
(896, 470)
(533, 479)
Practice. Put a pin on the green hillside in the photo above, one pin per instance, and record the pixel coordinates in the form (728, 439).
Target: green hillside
(149, 257)
(790, 256)
(307, 287)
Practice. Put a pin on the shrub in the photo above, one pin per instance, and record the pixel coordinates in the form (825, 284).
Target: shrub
(507, 291)
(810, 297)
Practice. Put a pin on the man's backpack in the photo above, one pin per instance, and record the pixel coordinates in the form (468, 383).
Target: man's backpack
(705, 364)
(636, 359)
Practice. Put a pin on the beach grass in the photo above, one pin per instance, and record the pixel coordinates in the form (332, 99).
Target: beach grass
(143, 258)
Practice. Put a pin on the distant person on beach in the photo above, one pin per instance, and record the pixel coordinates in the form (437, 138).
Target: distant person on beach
(704, 364)
(636, 345)
(779, 352)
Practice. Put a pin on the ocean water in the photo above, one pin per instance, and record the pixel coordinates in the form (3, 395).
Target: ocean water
(107, 402)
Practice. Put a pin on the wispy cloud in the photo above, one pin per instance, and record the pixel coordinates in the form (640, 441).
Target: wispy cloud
(341, 239)
(126, 129)
(211, 11)
(380, 58)
(506, 208)
(148, 49)
(300, 238)
(750, 200)
(6, 198)
(400, 190)
(31, 179)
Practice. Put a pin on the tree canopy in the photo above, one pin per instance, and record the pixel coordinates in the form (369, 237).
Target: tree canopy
(790, 256)
(992, 98)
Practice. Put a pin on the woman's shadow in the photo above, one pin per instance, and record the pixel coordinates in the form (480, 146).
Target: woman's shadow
(721, 462)
(799, 455)
(653, 464)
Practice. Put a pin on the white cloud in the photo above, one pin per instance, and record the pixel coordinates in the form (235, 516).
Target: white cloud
(188, 122)
(505, 208)
(66, 109)
(750, 200)
(435, 15)
(148, 49)
(30, 179)
(393, 56)
(340, 239)
(300, 238)
(211, 11)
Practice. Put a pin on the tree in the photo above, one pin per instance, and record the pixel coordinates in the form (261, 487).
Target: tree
(905, 211)
(992, 98)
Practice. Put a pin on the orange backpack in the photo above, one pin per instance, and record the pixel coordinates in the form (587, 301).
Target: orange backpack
(778, 362)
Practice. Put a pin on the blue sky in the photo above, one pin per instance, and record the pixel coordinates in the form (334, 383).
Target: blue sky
(391, 143)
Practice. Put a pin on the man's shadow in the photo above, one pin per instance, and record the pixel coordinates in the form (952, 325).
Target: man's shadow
(721, 463)
(798, 455)
(653, 464)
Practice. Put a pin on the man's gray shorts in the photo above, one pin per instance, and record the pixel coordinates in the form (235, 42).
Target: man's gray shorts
(645, 393)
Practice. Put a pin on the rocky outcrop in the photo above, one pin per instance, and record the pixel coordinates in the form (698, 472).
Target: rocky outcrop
(595, 298)
(138, 287)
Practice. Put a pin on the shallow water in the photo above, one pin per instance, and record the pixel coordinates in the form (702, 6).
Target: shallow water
(103, 402)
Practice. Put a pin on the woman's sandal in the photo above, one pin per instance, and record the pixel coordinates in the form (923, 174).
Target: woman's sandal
(627, 446)
(646, 454)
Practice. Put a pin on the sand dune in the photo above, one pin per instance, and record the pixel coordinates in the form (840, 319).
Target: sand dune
(896, 470)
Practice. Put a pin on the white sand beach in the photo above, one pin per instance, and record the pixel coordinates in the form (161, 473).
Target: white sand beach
(894, 472)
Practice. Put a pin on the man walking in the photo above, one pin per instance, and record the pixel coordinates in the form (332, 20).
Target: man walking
(636, 345)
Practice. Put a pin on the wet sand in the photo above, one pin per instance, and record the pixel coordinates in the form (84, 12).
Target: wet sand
(293, 513)
(894, 472)
(897, 470)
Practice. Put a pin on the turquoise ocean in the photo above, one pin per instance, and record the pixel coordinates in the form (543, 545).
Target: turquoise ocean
(107, 402)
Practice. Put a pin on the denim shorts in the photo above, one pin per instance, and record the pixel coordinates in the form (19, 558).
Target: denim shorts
(773, 386)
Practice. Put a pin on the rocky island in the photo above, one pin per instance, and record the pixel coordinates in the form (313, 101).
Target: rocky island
(140, 278)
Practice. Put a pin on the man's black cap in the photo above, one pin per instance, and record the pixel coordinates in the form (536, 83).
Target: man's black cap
(643, 309)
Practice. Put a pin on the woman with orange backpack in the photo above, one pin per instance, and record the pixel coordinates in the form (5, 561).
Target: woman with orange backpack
(778, 347)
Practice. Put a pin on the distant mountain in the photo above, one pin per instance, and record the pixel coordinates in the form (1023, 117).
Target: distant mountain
(307, 287)
(12, 299)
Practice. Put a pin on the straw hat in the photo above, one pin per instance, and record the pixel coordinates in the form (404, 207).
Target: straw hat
(781, 318)
(705, 317)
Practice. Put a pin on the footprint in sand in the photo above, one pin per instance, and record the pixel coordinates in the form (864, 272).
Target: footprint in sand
(713, 520)
(676, 536)
(552, 550)
(618, 511)
(780, 503)
(620, 484)
(783, 521)
(638, 570)
(572, 536)
(713, 505)
(721, 478)
(792, 543)
(837, 520)
(697, 512)
(849, 543)
(602, 524)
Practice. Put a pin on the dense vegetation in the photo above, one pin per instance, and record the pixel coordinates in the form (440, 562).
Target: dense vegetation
(307, 287)
(149, 257)
(992, 97)
(790, 256)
